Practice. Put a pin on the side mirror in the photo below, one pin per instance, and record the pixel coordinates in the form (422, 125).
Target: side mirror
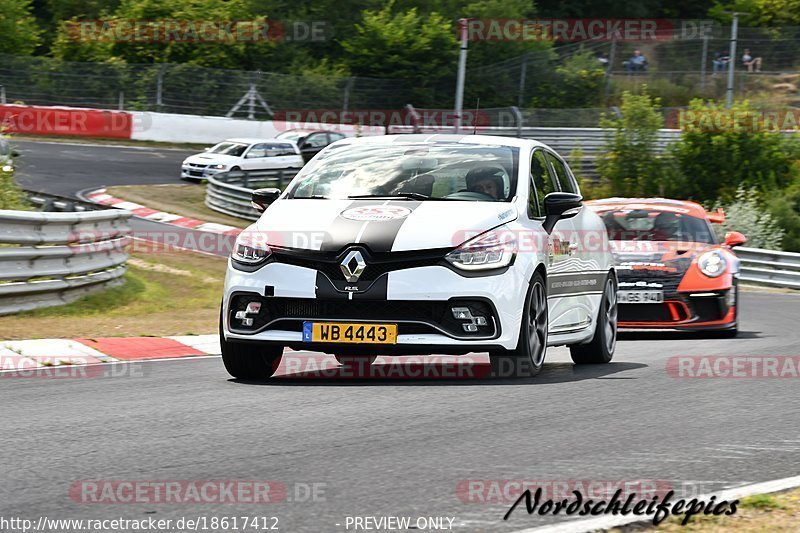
(14, 153)
(558, 205)
(261, 198)
(734, 238)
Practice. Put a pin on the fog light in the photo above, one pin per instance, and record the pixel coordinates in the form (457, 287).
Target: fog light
(462, 313)
(240, 315)
(253, 308)
(471, 328)
(247, 321)
(480, 321)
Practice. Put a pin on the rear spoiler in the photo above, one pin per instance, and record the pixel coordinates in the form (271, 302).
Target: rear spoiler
(716, 217)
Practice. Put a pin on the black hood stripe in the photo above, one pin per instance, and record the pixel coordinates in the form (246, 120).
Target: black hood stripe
(378, 236)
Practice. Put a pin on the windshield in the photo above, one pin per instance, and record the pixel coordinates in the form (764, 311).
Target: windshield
(291, 135)
(228, 148)
(656, 225)
(436, 171)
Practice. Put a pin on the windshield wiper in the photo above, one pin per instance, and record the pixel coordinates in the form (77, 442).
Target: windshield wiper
(407, 195)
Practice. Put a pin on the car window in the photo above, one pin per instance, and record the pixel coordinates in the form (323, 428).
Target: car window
(440, 170)
(336, 136)
(317, 140)
(562, 175)
(286, 149)
(542, 184)
(228, 148)
(655, 225)
(258, 150)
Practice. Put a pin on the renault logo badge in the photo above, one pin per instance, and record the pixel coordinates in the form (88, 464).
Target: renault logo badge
(353, 265)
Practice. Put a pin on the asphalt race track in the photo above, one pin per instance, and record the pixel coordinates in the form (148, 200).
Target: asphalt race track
(403, 446)
(66, 168)
(389, 446)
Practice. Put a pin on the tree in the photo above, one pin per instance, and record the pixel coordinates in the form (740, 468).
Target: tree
(390, 44)
(18, 28)
(631, 164)
(721, 150)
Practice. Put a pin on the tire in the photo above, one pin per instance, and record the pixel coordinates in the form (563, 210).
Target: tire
(527, 359)
(601, 348)
(249, 361)
(234, 169)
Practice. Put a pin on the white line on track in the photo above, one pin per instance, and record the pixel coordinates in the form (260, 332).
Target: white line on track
(119, 362)
(607, 522)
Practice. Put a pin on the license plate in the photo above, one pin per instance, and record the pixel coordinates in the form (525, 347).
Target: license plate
(347, 332)
(641, 297)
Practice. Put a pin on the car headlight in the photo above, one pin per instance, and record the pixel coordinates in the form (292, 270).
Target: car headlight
(217, 167)
(490, 250)
(8, 168)
(250, 248)
(712, 264)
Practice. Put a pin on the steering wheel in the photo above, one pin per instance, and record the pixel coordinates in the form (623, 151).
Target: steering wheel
(471, 195)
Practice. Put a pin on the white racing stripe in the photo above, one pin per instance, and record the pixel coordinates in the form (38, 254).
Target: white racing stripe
(607, 522)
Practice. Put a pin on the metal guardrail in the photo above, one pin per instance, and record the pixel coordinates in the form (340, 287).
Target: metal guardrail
(229, 192)
(49, 259)
(769, 267)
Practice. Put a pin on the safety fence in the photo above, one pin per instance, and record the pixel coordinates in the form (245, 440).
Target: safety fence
(229, 192)
(769, 267)
(49, 259)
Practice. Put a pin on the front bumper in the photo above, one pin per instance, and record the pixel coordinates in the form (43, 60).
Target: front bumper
(197, 172)
(685, 311)
(419, 300)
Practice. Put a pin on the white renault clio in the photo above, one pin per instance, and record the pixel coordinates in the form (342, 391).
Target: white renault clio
(422, 244)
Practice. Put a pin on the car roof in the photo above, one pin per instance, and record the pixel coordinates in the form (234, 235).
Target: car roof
(659, 204)
(253, 140)
(487, 140)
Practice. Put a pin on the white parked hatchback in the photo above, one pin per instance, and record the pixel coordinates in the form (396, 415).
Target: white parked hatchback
(422, 244)
(242, 154)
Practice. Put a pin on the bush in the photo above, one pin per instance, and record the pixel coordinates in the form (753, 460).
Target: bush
(746, 214)
(785, 209)
(717, 156)
(11, 196)
(631, 164)
(578, 82)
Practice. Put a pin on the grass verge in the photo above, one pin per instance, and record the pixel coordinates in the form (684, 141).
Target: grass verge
(165, 293)
(760, 513)
(179, 198)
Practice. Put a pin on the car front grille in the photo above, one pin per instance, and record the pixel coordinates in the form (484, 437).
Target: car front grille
(412, 316)
(377, 264)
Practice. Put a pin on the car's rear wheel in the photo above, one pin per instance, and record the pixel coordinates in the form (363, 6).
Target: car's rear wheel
(528, 357)
(601, 348)
(249, 361)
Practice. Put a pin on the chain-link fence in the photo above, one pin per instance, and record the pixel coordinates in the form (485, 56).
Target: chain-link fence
(677, 70)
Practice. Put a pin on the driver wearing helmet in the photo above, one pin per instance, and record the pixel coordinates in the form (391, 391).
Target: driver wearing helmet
(486, 180)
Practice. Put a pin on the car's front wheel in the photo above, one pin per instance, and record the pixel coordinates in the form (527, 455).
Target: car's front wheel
(249, 361)
(528, 357)
(601, 348)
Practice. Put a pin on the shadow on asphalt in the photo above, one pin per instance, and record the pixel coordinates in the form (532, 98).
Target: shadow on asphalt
(432, 373)
(666, 335)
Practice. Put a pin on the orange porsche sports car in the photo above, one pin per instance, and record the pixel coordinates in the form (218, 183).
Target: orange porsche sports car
(673, 272)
